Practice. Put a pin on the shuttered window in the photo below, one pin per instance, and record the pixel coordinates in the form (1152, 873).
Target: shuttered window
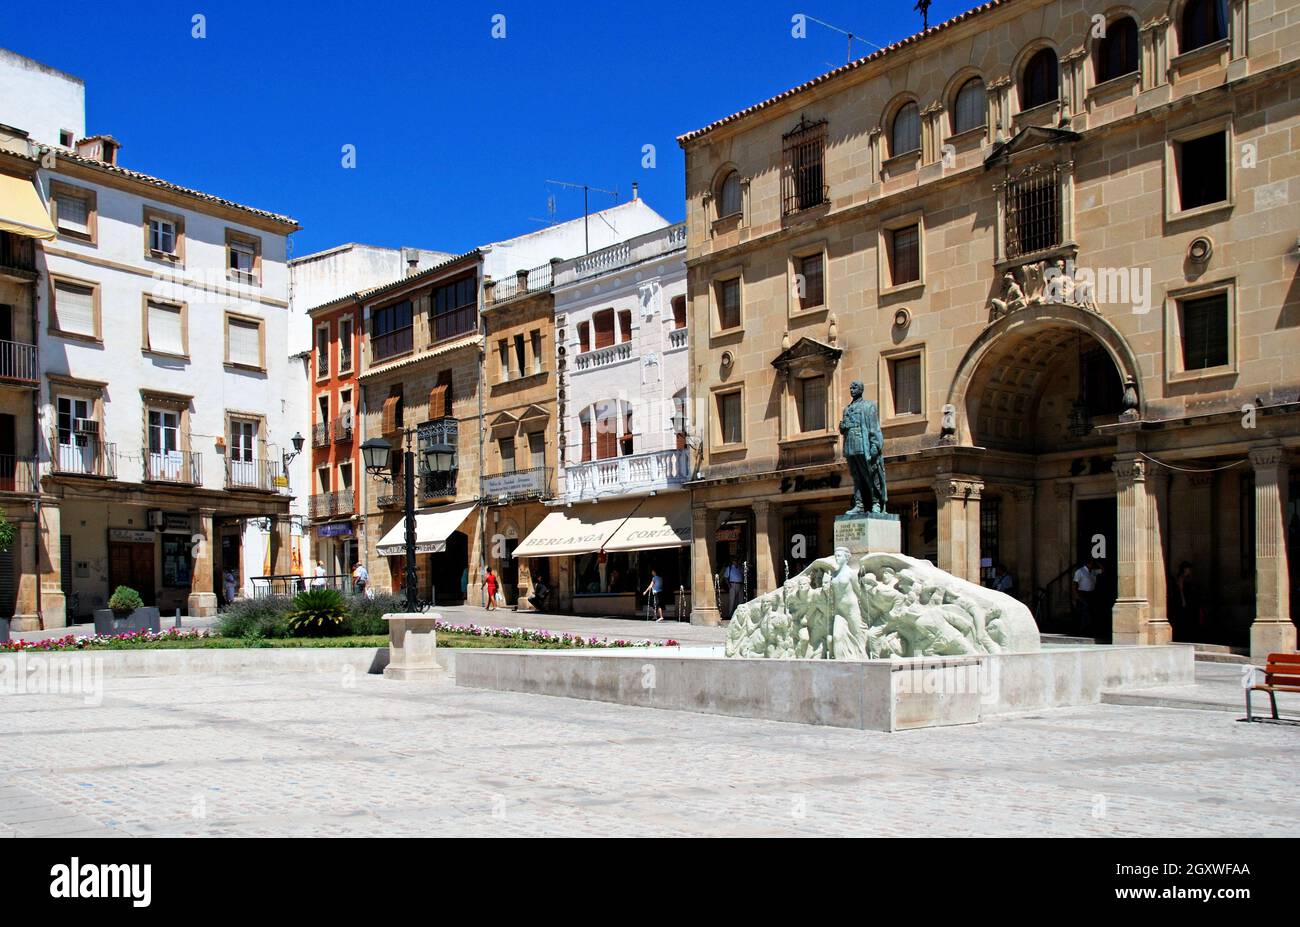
(74, 213)
(905, 374)
(607, 437)
(905, 255)
(812, 404)
(729, 418)
(74, 308)
(245, 342)
(1205, 332)
(165, 328)
(586, 440)
(728, 304)
(604, 323)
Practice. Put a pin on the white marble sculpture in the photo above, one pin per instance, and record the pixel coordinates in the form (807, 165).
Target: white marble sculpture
(879, 607)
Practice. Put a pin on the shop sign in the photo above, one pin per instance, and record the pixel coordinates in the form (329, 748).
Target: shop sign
(128, 536)
(341, 529)
(176, 521)
(508, 484)
(727, 533)
(809, 483)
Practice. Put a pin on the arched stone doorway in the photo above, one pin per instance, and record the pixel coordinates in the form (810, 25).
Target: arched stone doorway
(1032, 406)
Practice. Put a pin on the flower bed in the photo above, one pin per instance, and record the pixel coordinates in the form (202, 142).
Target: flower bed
(107, 641)
(538, 636)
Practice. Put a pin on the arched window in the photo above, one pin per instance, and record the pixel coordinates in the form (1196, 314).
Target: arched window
(905, 135)
(1041, 81)
(729, 200)
(1204, 22)
(968, 108)
(1117, 50)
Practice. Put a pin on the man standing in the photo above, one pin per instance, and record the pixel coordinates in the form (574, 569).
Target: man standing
(864, 446)
(734, 577)
(1085, 589)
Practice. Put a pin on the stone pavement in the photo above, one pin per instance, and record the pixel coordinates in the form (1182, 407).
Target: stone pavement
(361, 755)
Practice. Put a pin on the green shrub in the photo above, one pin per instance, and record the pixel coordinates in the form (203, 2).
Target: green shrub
(256, 619)
(125, 599)
(318, 613)
(366, 616)
(8, 532)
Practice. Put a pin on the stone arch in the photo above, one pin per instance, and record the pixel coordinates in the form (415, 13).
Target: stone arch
(1035, 336)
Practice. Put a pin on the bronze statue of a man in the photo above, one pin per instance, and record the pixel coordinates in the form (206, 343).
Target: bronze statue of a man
(864, 450)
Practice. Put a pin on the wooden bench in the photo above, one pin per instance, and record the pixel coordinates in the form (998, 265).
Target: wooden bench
(1281, 674)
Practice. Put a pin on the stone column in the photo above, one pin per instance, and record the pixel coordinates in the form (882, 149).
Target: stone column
(1153, 48)
(282, 531)
(202, 601)
(704, 603)
(1237, 29)
(1023, 497)
(1131, 616)
(1072, 84)
(1160, 631)
(1272, 630)
(958, 508)
(765, 531)
(49, 554)
(26, 617)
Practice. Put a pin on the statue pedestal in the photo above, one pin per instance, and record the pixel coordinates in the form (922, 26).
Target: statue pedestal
(873, 532)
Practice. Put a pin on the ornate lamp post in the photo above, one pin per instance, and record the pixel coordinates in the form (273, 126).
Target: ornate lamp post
(376, 454)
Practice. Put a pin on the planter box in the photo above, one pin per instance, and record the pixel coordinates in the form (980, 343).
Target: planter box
(108, 621)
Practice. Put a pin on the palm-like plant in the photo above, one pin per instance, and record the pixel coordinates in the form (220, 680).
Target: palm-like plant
(317, 613)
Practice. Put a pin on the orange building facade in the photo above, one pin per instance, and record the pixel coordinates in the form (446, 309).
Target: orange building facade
(333, 508)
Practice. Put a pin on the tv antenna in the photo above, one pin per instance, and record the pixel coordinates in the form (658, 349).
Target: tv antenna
(850, 36)
(550, 211)
(586, 190)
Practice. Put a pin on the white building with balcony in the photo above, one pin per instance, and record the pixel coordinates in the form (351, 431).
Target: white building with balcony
(163, 339)
(623, 414)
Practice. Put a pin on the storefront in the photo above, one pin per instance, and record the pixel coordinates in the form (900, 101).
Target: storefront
(603, 555)
(441, 549)
(336, 547)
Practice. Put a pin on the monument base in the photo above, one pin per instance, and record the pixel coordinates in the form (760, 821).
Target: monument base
(413, 647)
(871, 532)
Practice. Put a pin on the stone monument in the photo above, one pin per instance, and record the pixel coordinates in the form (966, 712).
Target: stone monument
(868, 601)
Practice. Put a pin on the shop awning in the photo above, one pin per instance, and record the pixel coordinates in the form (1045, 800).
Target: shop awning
(629, 524)
(662, 521)
(431, 531)
(21, 210)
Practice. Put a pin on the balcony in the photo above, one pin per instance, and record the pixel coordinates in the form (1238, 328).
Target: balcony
(320, 434)
(535, 482)
(603, 357)
(19, 474)
(259, 475)
(183, 467)
(677, 338)
(636, 473)
(524, 282)
(78, 454)
(435, 485)
(808, 452)
(327, 504)
(17, 256)
(18, 363)
(392, 344)
(342, 428)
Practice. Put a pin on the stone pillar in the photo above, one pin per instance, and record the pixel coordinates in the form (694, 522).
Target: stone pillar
(766, 530)
(1160, 631)
(1064, 496)
(282, 532)
(202, 601)
(49, 554)
(1131, 616)
(704, 603)
(1237, 29)
(1272, 630)
(1072, 83)
(1202, 533)
(1024, 522)
(958, 508)
(1154, 54)
(26, 618)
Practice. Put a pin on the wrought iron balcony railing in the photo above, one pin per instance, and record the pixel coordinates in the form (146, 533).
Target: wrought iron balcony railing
(18, 363)
(185, 467)
(19, 474)
(342, 428)
(82, 455)
(264, 475)
(437, 485)
(320, 434)
(17, 252)
(326, 504)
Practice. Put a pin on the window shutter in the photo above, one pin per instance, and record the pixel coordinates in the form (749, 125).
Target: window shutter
(586, 441)
(907, 386)
(75, 308)
(604, 322)
(165, 329)
(438, 401)
(607, 438)
(245, 342)
(389, 417)
(74, 213)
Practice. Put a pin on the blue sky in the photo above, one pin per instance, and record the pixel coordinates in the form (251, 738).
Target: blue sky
(456, 132)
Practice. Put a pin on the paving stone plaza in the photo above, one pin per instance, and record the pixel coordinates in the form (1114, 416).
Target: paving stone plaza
(319, 755)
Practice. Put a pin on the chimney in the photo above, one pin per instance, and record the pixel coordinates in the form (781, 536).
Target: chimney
(635, 195)
(99, 148)
(412, 260)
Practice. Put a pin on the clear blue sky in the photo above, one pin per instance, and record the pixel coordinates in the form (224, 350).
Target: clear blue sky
(455, 132)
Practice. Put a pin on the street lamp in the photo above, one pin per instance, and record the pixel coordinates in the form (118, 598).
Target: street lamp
(377, 454)
(287, 458)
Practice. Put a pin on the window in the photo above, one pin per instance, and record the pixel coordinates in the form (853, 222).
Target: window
(454, 308)
(72, 410)
(730, 421)
(165, 458)
(390, 330)
(503, 354)
(1202, 170)
(904, 255)
(75, 308)
(730, 202)
(1102, 391)
(243, 434)
(811, 283)
(585, 424)
(969, 108)
(537, 449)
(323, 479)
(74, 211)
(244, 342)
(1203, 324)
(624, 325)
(679, 312)
(444, 381)
(164, 235)
(1117, 52)
(627, 442)
(535, 337)
(345, 476)
(1033, 211)
(584, 337)
(905, 133)
(65, 138)
(165, 328)
(345, 345)
(728, 298)
(606, 431)
(803, 183)
(1204, 22)
(603, 321)
(507, 446)
(1040, 82)
(519, 356)
(811, 403)
(322, 352)
(905, 385)
(243, 257)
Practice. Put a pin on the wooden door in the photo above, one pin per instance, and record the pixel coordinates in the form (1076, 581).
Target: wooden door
(131, 564)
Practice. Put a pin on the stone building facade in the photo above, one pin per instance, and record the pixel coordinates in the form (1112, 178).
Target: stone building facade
(1057, 243)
